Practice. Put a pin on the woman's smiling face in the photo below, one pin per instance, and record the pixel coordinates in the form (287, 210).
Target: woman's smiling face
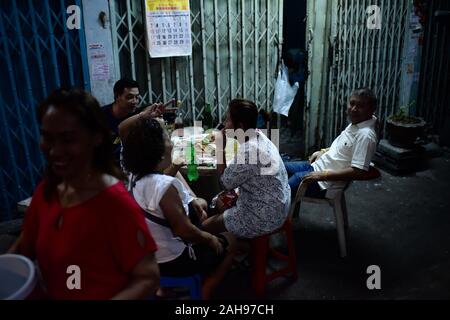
(67, 145)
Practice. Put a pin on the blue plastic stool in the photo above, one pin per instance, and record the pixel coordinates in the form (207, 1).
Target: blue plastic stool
(194, 283)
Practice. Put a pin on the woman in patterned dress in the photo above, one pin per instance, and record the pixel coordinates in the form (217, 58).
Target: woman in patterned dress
(258, 173)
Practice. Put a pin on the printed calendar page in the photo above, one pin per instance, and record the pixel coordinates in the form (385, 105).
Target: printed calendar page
(168, 28)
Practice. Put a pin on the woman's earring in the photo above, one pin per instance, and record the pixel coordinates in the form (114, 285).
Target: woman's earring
(162, 158)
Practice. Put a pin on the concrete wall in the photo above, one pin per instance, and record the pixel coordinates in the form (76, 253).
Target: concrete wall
(99, 50)
(412, 53)
(318, 36)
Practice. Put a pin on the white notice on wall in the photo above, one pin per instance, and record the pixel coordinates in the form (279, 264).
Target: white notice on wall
(99, 62)
(168, 28)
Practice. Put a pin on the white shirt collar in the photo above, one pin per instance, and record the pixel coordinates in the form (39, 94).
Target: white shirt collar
(368, 123)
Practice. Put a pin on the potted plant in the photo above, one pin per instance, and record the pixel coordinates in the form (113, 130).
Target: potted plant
(403, 129)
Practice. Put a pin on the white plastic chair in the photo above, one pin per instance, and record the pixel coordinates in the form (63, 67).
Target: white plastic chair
(337, 202)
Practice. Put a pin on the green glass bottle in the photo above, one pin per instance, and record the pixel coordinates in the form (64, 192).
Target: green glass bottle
(207, 122)
(192, 172)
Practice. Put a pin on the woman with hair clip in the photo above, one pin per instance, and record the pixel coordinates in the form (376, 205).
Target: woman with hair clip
(183, 248)
(81, 217)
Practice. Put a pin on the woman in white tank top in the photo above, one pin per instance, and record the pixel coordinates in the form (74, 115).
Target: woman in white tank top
(183, 248)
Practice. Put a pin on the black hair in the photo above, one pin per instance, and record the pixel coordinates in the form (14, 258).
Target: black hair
(86, 108)
(367, 94)
(119, 86)
(245, 112)
(143, 147)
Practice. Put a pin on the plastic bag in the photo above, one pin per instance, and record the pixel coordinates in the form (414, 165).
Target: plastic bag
(284, 93)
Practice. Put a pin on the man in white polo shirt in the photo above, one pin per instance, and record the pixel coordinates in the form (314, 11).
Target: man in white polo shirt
(349, 156)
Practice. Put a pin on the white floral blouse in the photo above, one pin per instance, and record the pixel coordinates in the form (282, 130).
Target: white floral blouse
(264, 193)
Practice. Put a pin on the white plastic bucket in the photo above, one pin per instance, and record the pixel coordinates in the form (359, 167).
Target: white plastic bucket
(17, 277)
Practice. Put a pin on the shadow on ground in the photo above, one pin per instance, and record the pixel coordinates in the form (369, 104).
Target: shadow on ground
(401, 224)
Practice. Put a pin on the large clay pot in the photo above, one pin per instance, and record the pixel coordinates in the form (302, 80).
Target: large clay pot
(404, 135)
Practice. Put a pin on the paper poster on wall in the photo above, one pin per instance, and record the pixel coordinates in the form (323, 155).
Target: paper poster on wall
(99, 62)
(168, 28)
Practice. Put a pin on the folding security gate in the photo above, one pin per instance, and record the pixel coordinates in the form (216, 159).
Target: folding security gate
(355, 56)
(37, 54)
(236, 47)
(434, 90)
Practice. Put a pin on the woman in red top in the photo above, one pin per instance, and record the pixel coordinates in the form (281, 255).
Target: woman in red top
(86, 233)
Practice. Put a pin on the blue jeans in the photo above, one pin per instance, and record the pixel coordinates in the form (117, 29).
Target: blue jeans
(296, 170)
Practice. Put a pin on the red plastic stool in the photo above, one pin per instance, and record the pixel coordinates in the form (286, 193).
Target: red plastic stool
(259, 253)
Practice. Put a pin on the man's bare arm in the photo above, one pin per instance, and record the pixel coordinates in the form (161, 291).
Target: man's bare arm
(347, 174)
(152, 111)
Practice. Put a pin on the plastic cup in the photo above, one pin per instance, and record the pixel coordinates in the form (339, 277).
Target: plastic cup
(17, 277)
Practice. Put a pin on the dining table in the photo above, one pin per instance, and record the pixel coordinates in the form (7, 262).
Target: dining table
(207, 185)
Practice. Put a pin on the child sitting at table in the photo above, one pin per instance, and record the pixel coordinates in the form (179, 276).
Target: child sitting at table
(183, 248)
